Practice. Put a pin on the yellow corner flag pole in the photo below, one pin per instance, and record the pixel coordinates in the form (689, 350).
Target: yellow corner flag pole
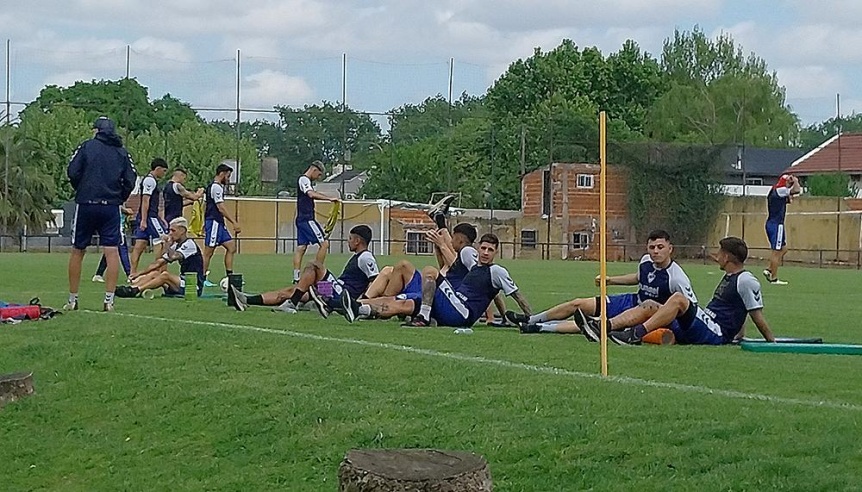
(603, 242)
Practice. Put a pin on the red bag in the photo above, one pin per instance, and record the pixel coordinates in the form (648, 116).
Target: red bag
(32, 311)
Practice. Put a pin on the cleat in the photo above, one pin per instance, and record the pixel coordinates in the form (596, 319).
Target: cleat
(98, 278)
(417, 322)
(529, 328)
(441, 207)
(319, 303)
(207, 283)
(778, 282)
(108, 307)
(517, 318)
(70, 306)
(148, 294)
(589, 326)
(625, 337)
(351, 307)
(240, 299)
(285, 307)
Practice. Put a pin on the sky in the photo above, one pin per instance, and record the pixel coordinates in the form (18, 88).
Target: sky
(399, 51)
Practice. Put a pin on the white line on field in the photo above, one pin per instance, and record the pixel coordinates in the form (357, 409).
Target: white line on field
(686, 388)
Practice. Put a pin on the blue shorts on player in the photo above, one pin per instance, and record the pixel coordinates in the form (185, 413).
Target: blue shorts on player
(448, 309)
(617, 304)
(309, 232)
(776, 235)
(100, 219)
(415, 285)
(215, 233)
(697, 326)
(154, 232)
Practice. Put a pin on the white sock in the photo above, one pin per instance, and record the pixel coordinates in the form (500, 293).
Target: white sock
(109, 297)
(295, 274)
(548, 327)
(73, 298)
(364, 310)
(538, 318)
(425, 312)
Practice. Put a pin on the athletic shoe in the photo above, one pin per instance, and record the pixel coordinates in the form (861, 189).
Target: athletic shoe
(108, 308)
(778, 282)
(351, 307)
(207, 283)
(240, 300)
(98, 278)
(439, 219)
(285, 307)
(442, 206)
(319, 303)
(148, 294)
(767, 274)
(70, 306)
(625, 337)
(529, 328)
(517, 318)
(589, 326)
(417, 322)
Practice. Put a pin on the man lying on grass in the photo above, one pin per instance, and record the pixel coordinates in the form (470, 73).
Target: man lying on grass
(440, 301)
(737, 296)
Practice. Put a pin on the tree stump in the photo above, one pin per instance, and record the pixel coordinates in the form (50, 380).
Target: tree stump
(413, 470)
(15, 386)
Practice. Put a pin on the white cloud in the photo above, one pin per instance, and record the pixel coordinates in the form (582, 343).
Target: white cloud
(66, 79)
(812, 81)
(265, 89)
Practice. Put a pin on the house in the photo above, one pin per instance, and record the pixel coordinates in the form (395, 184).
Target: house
(560, 205)
(345, 181)
(841, 153)
(755, 168)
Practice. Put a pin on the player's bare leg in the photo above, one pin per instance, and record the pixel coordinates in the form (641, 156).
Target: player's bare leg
(208, 256)
(378, 286)
(137, 250)
(322, 251)
(775, 259)
(297, 260)
(76, 258)
(385, 307)
(229, 252)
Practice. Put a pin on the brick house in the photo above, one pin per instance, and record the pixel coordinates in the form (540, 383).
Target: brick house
(841, 153)
(561, 202)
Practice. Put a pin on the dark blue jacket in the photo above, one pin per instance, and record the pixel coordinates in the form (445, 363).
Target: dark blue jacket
(101, 171)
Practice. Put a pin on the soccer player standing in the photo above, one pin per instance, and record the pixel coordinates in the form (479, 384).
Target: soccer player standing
(308, 231)
(776, 202)
(103, 176)
(151, 228)
(215, 232)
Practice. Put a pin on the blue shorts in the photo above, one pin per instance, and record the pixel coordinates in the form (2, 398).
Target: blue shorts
(99, 219)
(617, 304)
(215, 233)
(415, 285)
(448, 308)
(308, 232)
(777, 238)
(153, 234)
(697, 327)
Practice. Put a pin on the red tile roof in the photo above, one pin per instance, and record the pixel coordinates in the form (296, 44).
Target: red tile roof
(842, 153)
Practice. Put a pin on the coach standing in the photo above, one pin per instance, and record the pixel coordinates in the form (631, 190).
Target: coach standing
(103, 176)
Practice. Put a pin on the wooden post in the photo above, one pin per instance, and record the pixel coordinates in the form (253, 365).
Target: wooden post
(414, 470)
(15, 386)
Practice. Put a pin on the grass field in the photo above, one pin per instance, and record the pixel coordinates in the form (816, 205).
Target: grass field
(172, 395)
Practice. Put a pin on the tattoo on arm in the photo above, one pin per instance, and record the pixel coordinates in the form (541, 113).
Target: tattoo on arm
(522, 302)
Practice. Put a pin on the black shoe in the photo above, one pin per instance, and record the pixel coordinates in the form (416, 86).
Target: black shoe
(441, 207)
(319, 303)
(625, 337)
(417, 322)
(351, 307)
(528, 328)
(240, 299)
(589, 326)
(517, 318)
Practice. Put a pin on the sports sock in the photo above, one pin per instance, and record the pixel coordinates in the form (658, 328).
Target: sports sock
(440, 220)
(364, 310)
(295, 275)
(425, 312)
(256, 300)
(639, 331)
(296, 298)
(548, 327)
(538, 318)
(228, 273)
(73, 298)
(109, 297)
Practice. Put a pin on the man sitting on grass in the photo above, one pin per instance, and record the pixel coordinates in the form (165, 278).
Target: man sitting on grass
(359, 272)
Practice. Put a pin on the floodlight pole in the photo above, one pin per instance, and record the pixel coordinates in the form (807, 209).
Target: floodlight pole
(603, 249)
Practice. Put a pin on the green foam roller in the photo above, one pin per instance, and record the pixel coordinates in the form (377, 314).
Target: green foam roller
(804, 348)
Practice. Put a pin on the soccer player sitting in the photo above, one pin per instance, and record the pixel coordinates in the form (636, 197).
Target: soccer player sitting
(737, 296)
(181, 248)
(359, 272)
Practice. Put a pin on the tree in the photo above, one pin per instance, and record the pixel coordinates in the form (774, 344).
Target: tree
(30, 187)
(432, 117)
(830, 184)
(815, 134)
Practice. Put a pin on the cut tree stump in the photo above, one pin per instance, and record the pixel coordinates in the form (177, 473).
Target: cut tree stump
(15, 386)
(414, 470)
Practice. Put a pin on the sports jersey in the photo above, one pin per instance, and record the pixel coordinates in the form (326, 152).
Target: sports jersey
(466, 259)
(304, 203)
(481, 286)
(658, 284)
(735, 296)
(214, 196)
(359, 271)
(173, 201)
(149, 187)
(776, 204)
(190, 259)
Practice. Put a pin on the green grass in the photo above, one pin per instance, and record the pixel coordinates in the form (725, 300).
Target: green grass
(210, 401)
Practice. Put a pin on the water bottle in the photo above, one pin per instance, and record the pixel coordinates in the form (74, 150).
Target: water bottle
(189, 282)
(464, 331)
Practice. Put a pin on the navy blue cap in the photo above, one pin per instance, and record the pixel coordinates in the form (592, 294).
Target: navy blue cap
(104, 124)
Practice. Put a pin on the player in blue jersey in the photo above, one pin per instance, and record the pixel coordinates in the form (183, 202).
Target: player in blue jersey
(358, 273)
(177, 197)
(215, 215)
(149, 219)
(440, 301)
(737, 296)
(308, 230)
(779, 196)
(658, 277)
(180, 248)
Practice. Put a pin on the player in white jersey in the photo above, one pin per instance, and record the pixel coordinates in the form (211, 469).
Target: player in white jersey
(658, 277)
(181, 249)
(737, 296)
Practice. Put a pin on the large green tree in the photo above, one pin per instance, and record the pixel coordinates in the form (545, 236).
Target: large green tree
(27, 188)
(817, 133)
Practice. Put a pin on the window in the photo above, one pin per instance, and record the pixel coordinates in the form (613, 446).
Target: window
(528, 239)
(417, 244)
(585, 180)
(546, 192)
(754, 181)
(581, 240)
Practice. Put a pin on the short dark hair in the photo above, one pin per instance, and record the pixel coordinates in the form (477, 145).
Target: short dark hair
(223, 168)
(157, 163)
(735, 247)
(490, 238)
(467, 230)
(364, 232)
(319, 165)
(658, 234)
